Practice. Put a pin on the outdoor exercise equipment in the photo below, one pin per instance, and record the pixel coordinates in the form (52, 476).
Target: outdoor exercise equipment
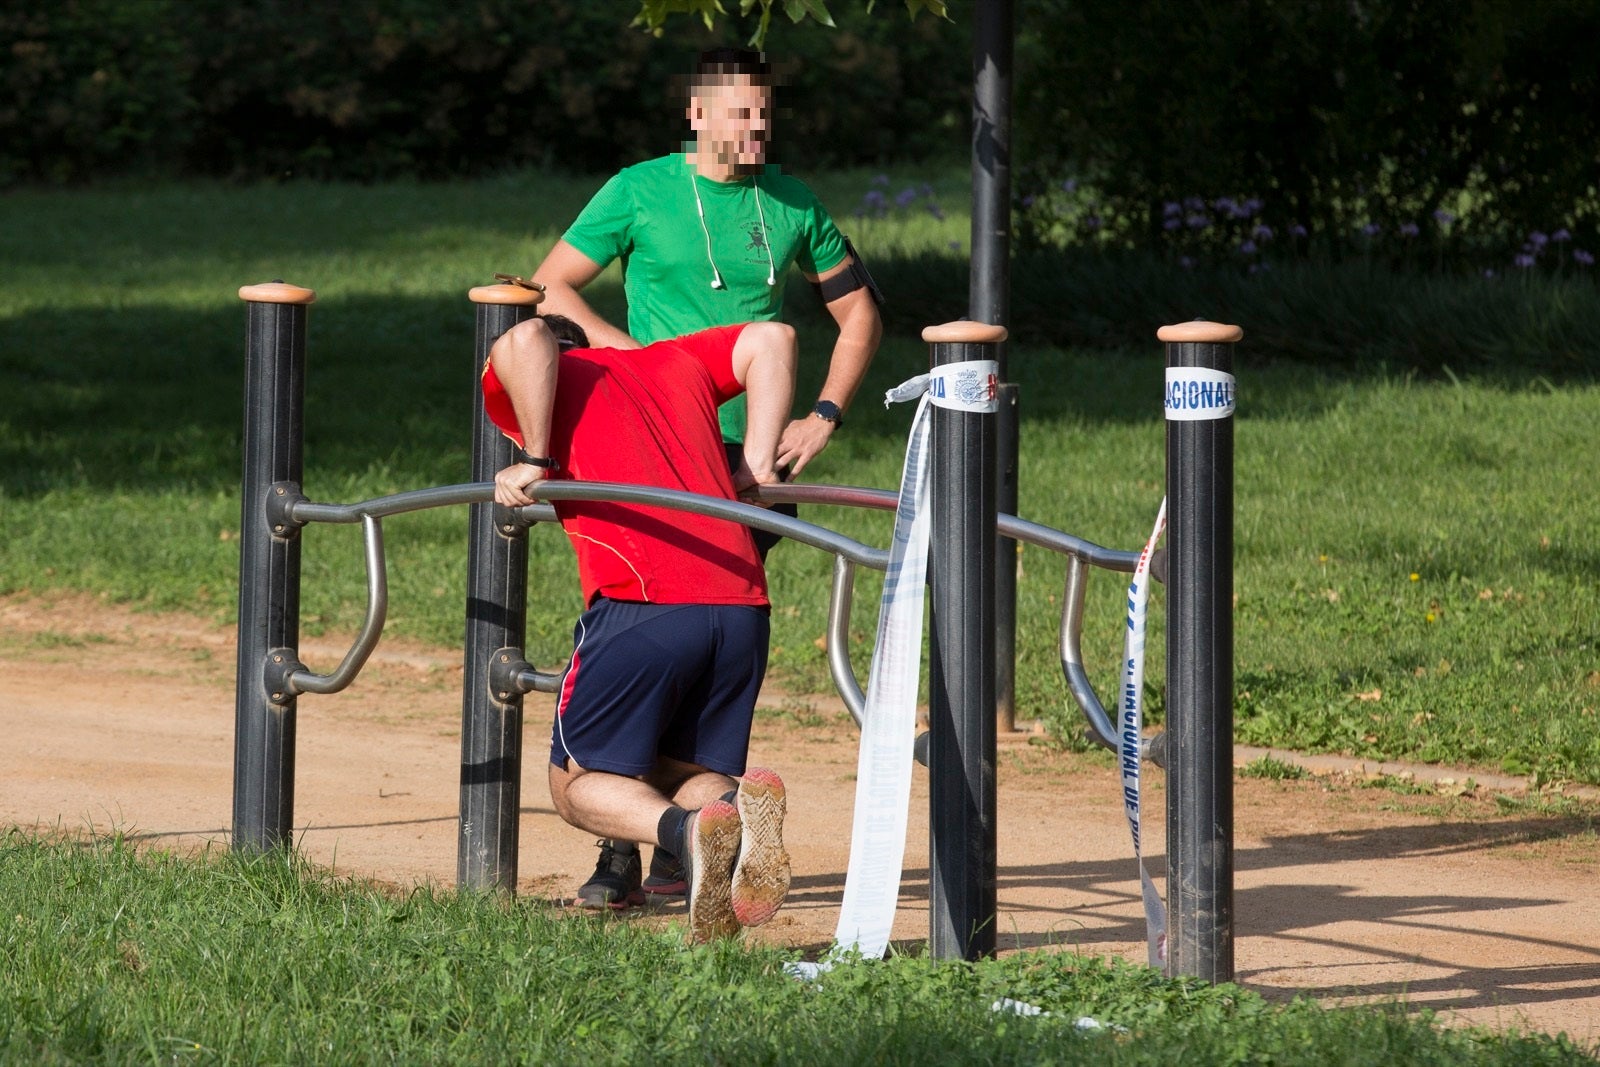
(961, 741)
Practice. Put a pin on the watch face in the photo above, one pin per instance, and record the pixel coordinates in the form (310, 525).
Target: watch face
(826, 409)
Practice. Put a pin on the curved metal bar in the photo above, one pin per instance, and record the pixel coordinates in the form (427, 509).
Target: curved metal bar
(480, 492)
(1100, 728)
(305, 681)
(844, 675)
(847, 554)
(850, 496)
(1057, 541)
(395, 504)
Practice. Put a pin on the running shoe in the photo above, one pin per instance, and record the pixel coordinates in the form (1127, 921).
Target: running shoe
(713, 840)
(761, 875)
(666, 875)
(615, 881)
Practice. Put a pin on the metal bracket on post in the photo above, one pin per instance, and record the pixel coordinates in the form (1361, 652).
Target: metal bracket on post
(511, 523)
(1199, 400)
(506, 671)
(277, 675)
(280, 502)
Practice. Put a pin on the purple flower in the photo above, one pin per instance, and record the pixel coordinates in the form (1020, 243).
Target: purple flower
(1582, 258)
(1171, 208)
(1538, 239)
(873, 198)
(1185, 262)
(1488, 272)
(1253, 205)
(1197, 221)
(1523, 260)
(1561, 236)
(1070, 185)
(1262, 232)
(1029, 200)
(1093, 222)
(1248, 247)
(882, 179)
(1443, 217)
(1194, 203)
(1171, 224)
(1297, 230)
(1371, 229)
(905, 196)
(1409, 229)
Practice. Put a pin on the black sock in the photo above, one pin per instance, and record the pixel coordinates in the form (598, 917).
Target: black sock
(670, 830)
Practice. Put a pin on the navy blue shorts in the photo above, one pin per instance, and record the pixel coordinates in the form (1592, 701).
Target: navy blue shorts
(649, 680)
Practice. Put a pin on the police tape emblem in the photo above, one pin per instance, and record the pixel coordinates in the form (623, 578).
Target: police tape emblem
(970, 386)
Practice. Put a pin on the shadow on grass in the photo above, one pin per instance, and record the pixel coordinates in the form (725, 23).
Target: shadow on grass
(151, 397)
(1096, 906)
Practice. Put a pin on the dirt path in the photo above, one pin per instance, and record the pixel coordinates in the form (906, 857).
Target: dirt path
(1485, 912)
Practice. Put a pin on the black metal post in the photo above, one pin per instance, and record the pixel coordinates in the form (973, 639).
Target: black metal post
(269, 565)
(961, 688)
(1199, 403)
(497, 588)
(989, 293)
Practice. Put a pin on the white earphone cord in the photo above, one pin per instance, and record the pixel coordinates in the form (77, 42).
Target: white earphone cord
(716, 275)
(766, 241)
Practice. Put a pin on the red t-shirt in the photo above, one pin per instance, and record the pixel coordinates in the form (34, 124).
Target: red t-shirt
(648, 416)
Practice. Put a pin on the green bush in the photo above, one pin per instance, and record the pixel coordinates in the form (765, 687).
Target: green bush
(1345, 122)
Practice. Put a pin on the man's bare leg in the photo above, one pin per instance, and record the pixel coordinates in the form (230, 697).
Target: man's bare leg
(695, 823)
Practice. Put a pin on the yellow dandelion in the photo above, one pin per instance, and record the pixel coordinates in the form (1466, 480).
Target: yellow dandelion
(1430, 617)
(1415, 577)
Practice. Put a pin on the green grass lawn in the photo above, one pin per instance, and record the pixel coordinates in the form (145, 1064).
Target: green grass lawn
(1416, 571)
(114, 958)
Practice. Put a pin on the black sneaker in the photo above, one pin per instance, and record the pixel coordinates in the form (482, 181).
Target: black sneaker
(615, 882)
(666, 875)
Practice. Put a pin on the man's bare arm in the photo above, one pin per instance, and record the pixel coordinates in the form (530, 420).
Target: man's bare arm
(564, 273)
(860, 331)
(764, 360)
(526, 359)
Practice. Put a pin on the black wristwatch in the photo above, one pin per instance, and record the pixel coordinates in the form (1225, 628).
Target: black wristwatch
(538, 461)
(828, 411)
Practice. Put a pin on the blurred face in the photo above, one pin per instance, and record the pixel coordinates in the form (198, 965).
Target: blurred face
(731, 120)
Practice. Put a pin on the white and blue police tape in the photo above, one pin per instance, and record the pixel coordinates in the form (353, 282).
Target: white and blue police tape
(1130, 738)
(1197, 393)
(889, 722)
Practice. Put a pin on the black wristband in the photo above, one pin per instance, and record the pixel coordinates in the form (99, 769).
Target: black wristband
(538, 461)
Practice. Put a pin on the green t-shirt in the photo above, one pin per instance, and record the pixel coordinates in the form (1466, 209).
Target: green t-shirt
(646, 216)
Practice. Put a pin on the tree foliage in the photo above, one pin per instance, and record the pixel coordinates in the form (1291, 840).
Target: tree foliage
(653, 14)
(431, 88)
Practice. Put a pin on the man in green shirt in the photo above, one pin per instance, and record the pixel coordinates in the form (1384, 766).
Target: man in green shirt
(705, 237)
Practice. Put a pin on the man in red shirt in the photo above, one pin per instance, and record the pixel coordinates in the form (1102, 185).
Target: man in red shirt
(652, 726)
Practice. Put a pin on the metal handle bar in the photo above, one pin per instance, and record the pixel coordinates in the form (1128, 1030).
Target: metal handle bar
(847, 553)
(306, 681)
